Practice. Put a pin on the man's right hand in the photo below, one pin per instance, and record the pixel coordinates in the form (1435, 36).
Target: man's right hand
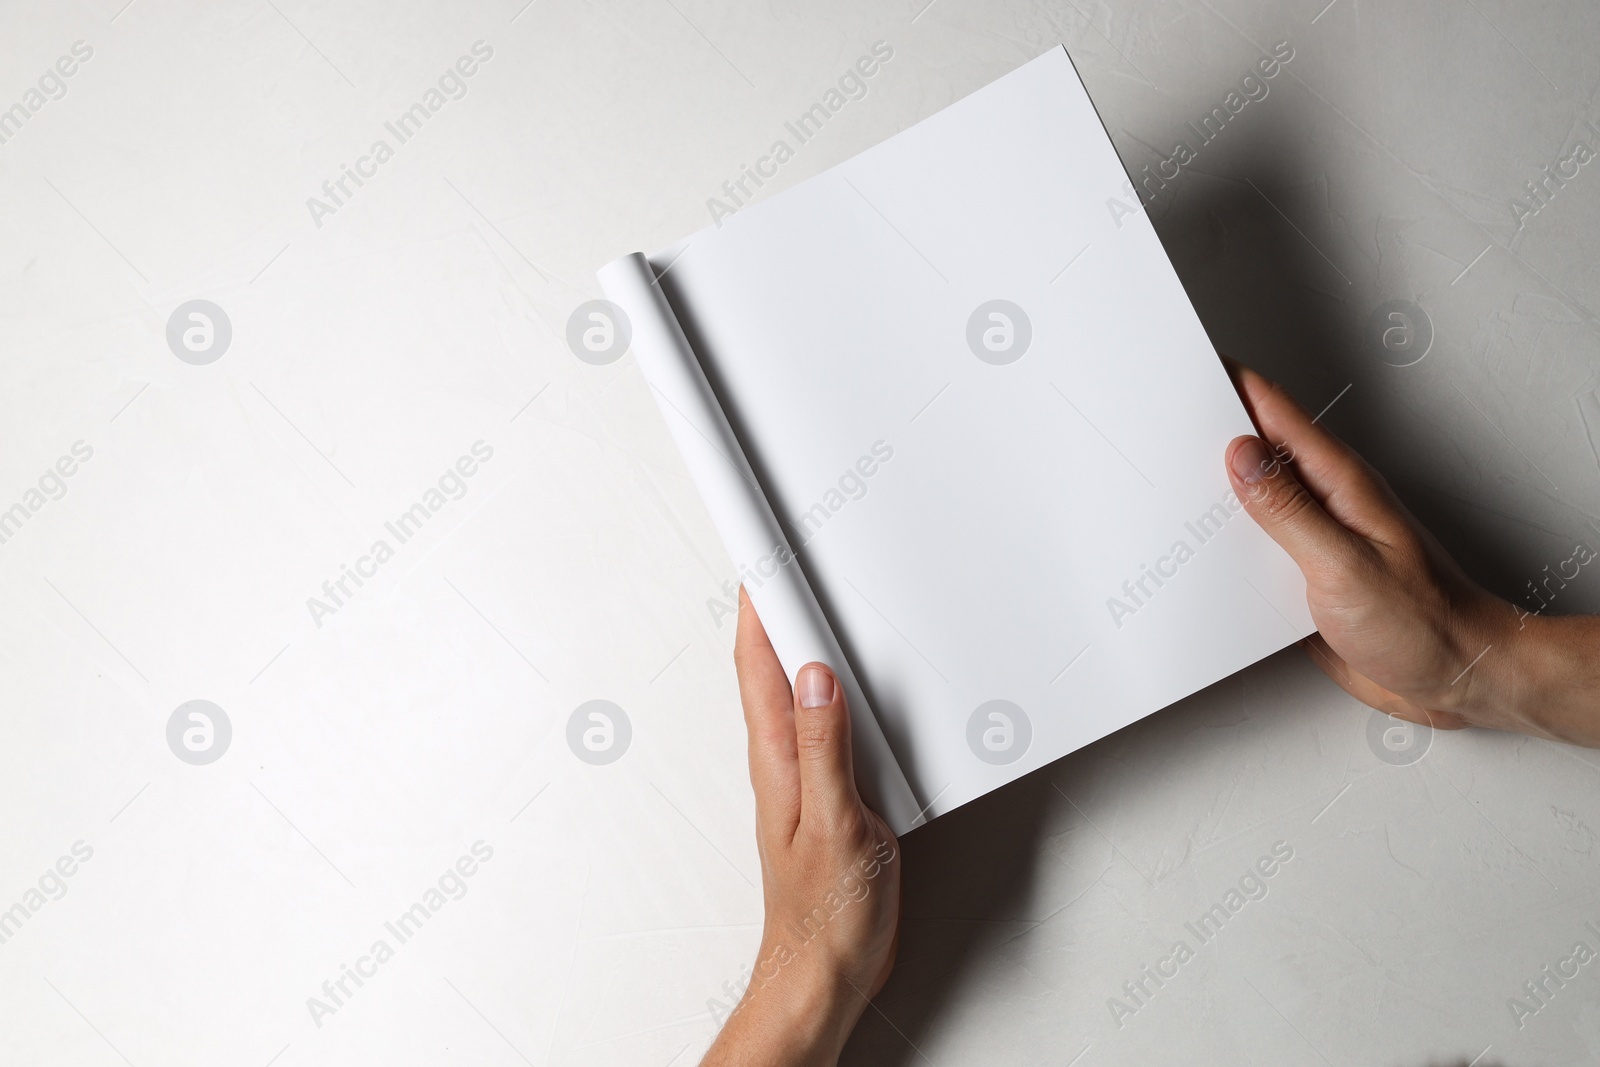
(1400, 626)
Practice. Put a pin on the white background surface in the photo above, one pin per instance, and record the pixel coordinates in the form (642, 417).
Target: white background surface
(429, 312)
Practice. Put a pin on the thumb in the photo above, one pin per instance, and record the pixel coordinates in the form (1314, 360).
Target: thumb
(1282, 506)
(822, 738)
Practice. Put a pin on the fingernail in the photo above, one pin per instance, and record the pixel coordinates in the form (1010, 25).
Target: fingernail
(815, 687)
(1251, 461)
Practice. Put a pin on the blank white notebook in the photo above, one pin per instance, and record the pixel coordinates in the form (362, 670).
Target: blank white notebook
(962, 434)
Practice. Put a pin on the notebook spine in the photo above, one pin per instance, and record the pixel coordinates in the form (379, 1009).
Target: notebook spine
(744, 519)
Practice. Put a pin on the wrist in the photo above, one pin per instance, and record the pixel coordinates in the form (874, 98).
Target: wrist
(1490, 647)
(796, 1012)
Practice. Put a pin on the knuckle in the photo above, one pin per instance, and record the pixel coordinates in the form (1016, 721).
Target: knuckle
(835, 830)
(744, 657)
(1286, 500)
(818, 733)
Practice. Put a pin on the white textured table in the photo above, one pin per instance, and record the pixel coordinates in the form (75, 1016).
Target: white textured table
(397, 857)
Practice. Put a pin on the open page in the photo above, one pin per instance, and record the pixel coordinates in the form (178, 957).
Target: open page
(972, 390)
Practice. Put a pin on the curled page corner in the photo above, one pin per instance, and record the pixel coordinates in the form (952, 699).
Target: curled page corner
(748, 527)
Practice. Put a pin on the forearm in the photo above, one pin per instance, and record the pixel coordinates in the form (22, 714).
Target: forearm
(1556, 678)
(1538, 675)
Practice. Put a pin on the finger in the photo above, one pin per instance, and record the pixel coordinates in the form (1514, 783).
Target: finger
(822, 735)
(1331, 471)
(769, 722)
(1291, 516)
